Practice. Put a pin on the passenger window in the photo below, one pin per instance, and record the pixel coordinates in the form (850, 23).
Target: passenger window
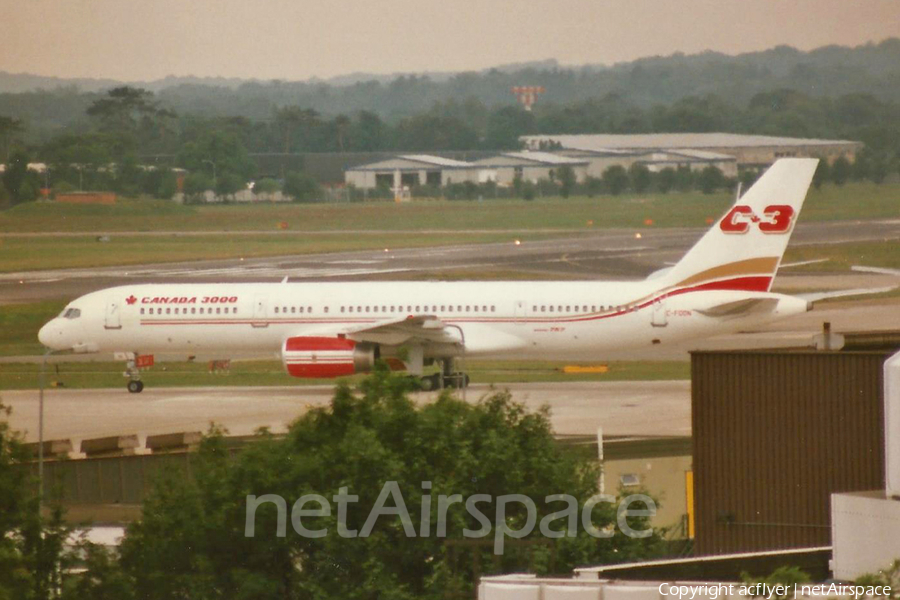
(276, 310)
(351, 309)
(551, 308)
(493, 308)
(218, 310)
(168, 311)
(417, 309)
(326, 309)
(309, 309)
(543, 308)
(484, 309)
(568, 309)
(384, 309)
(342, 309)
(151, 311)
(142, 311)
(476, 308)
(450, 308)
(593, 308)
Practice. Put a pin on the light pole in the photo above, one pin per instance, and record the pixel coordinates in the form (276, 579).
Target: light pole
(41, 432)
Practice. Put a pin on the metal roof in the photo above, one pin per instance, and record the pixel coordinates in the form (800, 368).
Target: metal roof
(436, 160)
(606, 141)
(545, 157)
(414, 162)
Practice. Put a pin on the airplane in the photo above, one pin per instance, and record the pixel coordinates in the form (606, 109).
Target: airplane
(325, 330)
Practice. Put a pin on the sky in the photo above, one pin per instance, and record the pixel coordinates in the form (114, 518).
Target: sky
(141, 40)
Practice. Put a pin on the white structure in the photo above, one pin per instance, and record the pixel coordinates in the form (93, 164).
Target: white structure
(866, 525)
(748, 150)
(408, 170)
(529, 166)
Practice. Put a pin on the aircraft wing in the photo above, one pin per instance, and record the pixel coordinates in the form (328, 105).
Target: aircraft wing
(393, 332)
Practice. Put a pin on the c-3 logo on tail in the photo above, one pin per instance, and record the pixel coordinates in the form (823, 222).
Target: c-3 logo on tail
(776, 218)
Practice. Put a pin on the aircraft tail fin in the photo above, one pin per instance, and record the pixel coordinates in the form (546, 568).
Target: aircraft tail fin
(743, 249)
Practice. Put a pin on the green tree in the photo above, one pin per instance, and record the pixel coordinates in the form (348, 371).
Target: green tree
(841, 170)
(565, 175)
(822, 174)
(665, 180)
(123, 108)
(641, 178)
(505, 125)
(302, 187)
(191, 540)
(266, 186)
(31, 545)
(711, 180)
(21, 183)
(9, 129)
(615, 179)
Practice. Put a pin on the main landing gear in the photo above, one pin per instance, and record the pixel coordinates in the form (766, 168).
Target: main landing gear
(447, 378)
(135, 385)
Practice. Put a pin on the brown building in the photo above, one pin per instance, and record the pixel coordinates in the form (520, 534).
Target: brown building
(87, 198)
(775, 434)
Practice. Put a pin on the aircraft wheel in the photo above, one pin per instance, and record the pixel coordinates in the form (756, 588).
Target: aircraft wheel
(431, 383)
(135, 386)
(458, 381)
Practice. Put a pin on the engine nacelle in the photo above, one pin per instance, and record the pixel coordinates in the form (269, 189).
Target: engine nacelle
(322, 357)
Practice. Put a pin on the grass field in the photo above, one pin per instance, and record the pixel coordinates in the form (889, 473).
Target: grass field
(842, 256)
(317, 227)
(16, 376)
(64, 252)
(19, 324)
(852, 201)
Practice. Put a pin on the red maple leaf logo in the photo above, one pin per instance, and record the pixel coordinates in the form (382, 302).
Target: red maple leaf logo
(131, 299)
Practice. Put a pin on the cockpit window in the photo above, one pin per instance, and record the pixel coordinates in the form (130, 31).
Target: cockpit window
(71, 313)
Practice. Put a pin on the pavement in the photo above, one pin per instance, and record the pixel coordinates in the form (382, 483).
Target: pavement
(610, 254)
(645, 408)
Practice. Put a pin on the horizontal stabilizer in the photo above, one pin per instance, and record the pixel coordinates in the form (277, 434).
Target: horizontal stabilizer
(740, 307)
(817, 296)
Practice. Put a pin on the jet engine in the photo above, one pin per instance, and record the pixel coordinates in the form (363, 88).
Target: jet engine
(322, 357)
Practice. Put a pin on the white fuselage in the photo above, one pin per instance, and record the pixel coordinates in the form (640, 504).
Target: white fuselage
(550, 320)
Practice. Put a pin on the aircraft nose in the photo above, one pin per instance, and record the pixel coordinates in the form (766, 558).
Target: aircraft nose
(50, 335)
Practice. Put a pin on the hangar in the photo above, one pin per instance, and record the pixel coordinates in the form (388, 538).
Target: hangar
(529, 166)
(408, 170)
(655, 160)
(753, 151)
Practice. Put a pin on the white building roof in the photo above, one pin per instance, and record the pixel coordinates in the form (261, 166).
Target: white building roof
(438, 161)
(545, 157)
(413, 162)
(608, 141)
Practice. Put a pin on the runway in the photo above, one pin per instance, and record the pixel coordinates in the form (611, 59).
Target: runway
(645, 408)
(612, 254)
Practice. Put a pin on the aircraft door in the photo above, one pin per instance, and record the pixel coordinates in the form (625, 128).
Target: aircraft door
(260, 312)
(113, 317)
(658, 317)
(520, 311)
